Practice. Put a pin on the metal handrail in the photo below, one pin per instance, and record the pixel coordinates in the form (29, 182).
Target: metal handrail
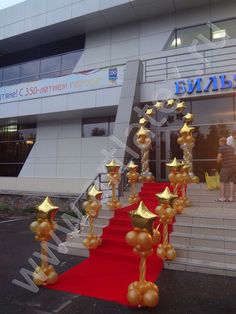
(77, 204)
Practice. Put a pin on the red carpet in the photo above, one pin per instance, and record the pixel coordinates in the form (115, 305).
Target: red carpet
(110, 268)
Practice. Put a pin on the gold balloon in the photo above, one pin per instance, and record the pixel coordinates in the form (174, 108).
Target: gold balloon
(150, 298)
(52, 277)
(38, 279)
(156, 236)
(144, 239)
(34, 226)
(44, 227)
(170, 254)
(195, 179)
(161, 252)
(131, 238)
(134, 297)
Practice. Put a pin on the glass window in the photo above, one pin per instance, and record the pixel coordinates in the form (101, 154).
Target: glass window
(70, 60)
(52, 64)
(207, 138)
(16, 142)
(213, 110)
(12, 72)
(102, 126)
(224, 29)
(171, 41)
(186, 36)
(30, 69)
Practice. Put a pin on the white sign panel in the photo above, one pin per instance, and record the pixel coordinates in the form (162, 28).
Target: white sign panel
(73, 83)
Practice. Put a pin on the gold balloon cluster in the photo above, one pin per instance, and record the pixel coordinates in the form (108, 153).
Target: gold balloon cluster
(166, 213)
(144, 143)
(178, 178)
(133, 178)
(141, 239)
(43, 227)
(114, 180)
(92, 207)
(186, 142)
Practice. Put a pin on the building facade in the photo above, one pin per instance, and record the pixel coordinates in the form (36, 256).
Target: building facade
(76, 74)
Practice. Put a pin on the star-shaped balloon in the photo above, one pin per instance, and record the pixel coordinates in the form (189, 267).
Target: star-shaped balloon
(186, 129)
(143, 218)
(170, 103)
(143, 121)
(143, 131)
(166, 196)
(46, 206)
(94, 193)
(180, 107)
(149, 112)
(112, 166)
(132, 165)
(174, 164)
(158, 105)
(188, 117)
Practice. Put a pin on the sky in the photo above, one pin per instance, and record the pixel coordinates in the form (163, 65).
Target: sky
(7, 3)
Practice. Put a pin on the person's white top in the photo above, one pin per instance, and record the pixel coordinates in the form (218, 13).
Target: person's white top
(232, 142)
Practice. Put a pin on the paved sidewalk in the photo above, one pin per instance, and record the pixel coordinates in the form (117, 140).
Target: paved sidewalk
(180, 292)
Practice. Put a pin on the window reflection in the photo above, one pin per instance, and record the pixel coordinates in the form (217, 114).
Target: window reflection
(213, 110)
(102, 126)
(16, 142)
(226, 29)
(30, 69)
(51, 64)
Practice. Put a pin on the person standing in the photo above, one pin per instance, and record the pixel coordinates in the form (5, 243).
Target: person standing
(226, 155)
(231, 140)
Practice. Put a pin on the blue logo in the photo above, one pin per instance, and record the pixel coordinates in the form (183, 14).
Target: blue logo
(113, 74)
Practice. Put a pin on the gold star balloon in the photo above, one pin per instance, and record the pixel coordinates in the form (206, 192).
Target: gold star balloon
(188, 117)
(149, 112)
(143, 218)
(46, 206)
(186, 129)
(180, 107)
(174, 164)
(94, 193)
(132, 165)
(166, 196)
(143, 121)
(143, 131)
(112, 166)
(170, 103)
(158, 105)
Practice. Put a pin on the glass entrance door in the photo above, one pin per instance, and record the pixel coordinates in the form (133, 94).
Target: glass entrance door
(167, 148)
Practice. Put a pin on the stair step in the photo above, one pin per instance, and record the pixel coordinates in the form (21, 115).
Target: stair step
(218, 230)
(211, 241)
(206, 253)
(196, 265)
(73, 248)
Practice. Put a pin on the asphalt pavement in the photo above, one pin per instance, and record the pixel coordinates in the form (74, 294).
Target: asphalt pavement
(180, 292)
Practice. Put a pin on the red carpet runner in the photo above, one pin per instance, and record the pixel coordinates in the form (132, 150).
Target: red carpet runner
(109, 270)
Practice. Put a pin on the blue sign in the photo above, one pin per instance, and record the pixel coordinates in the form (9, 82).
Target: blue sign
(113, 74)
(214, 83)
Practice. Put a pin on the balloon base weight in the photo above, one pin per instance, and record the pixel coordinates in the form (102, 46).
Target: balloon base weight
(143, 293)
(146, 177)
(92, 241)
(113, 204)
(45, 276)
(133, 199)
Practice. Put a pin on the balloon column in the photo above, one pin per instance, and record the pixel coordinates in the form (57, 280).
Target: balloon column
(142, 238)
(144, 143)
(174, 176)
(166, 212)
(43, 227)
(114, 179)
(92, 207)
(133, 178)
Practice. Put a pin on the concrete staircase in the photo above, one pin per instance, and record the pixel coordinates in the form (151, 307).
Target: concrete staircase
(74, 240)
(205, 235)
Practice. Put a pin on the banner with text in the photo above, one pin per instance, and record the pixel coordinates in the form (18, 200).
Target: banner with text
(73, 83)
